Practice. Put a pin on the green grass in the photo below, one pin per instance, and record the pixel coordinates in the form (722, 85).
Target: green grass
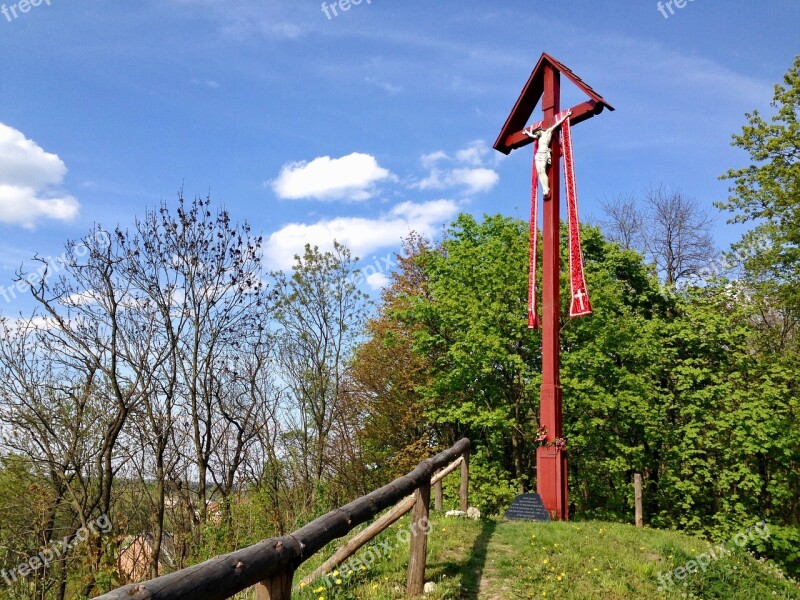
(494, 559)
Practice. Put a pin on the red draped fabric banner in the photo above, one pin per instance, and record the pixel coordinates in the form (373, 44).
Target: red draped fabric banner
(579, 295)
(579, 304)
(533, 319)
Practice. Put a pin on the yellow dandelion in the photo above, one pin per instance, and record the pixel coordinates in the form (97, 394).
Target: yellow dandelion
(338, 582)
(363, 568)
(303, 584)
(319, 589)
(336, 573)
(545, 561)
(374, 586)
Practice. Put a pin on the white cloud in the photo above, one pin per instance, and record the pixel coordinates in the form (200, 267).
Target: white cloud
(470, 172)
(27, 324)
(475, 180)
(351, 177)
(361, 235)
(474, 154)
(82, 298)
(29, 177)
(377, 281)
(209, 83)
(430, 160)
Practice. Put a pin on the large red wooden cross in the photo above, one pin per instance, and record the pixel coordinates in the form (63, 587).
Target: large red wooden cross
(545, 84)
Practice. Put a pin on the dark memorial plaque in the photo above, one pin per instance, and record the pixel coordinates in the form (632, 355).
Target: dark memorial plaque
(527, 507)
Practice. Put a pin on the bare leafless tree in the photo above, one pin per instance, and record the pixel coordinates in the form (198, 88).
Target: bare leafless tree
(65, 387)
(624, 222)
(162, 370)
(199, 284)
(677, 234)
(669, 227)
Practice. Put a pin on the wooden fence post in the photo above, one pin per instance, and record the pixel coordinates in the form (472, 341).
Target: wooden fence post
(438, 495)
(277, 588)
(463, 491)
(637, 498)
(420, 525)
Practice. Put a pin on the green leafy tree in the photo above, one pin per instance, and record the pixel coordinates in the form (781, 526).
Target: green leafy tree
(613, 395)
(767, 192)
(764, 410)
(320, 315)
(387, 375)
(485, 361)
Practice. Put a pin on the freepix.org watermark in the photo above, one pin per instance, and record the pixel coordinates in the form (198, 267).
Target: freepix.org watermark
(50, 266)
(369, 556)
(375, 274)
(334, 9)
(663, 7)
(725, 264)
(14, 11)
(702, 561)
(56, 551)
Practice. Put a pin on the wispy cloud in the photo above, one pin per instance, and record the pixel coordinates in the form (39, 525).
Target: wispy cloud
(658, 66)
(243, 19)
(387, 87)
(464, 170)
(209, 83)
(474, 154)
(473, 180)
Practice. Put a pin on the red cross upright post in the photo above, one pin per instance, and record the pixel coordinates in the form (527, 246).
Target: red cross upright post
(545, 84)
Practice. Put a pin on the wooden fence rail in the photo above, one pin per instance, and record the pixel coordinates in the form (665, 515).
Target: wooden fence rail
(380, 525)
(270, 565)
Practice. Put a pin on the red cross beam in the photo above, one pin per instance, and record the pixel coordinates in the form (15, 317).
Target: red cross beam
(511, 136)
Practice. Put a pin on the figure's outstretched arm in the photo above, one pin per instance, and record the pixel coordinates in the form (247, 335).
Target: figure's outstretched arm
(558, 123)
(531, 132)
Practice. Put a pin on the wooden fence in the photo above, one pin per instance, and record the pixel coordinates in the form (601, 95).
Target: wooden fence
(270, 565)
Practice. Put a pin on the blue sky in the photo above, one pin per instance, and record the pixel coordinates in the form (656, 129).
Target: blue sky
(360, 126)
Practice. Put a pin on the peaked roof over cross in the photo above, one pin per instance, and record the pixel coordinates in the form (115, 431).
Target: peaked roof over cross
(511, 136)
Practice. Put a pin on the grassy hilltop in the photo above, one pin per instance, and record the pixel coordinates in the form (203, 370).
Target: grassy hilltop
(493, 560)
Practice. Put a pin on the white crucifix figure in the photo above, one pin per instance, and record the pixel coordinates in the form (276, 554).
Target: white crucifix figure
(543, 153)
(579, 296)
